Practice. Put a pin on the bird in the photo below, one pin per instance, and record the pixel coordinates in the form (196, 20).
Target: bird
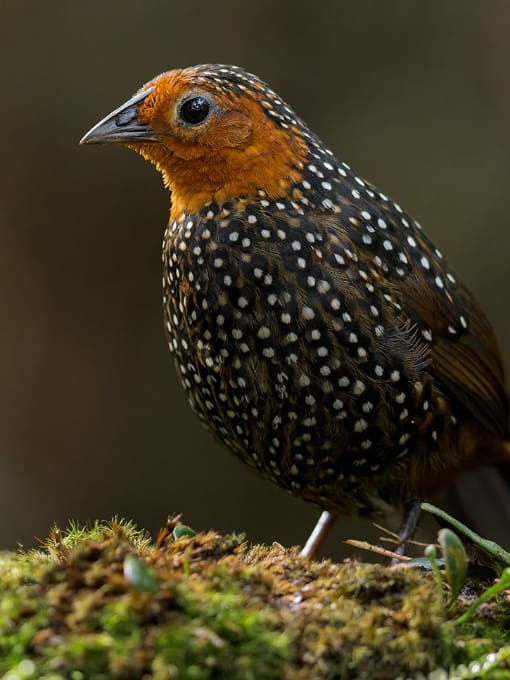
(318, 332)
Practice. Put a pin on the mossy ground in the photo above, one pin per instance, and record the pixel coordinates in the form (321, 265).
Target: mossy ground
(108, 603)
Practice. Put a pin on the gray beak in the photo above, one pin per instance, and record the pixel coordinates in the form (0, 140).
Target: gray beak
(122, 124)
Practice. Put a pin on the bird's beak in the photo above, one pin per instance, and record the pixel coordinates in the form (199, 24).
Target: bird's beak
(122, 124)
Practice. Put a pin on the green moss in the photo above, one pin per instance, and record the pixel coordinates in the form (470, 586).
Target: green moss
(223, 638)
(107, 603)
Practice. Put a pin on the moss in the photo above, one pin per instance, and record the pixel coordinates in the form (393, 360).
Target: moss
(106, 602)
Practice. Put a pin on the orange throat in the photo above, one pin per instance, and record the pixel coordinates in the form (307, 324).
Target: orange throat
(200, 184)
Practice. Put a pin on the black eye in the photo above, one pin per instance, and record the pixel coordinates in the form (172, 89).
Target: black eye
(195, 110)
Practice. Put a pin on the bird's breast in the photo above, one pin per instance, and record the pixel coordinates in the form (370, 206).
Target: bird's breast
(273, 345)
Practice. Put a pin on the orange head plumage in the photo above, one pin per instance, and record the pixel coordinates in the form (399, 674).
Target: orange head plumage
(214, 132)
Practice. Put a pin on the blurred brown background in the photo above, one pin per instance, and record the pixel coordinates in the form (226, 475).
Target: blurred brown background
(92, 419)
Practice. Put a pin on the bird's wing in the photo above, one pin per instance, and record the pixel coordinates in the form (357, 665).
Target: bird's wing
(467, 363)
(464, 357)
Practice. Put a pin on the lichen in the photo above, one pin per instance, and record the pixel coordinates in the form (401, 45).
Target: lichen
(107, 603)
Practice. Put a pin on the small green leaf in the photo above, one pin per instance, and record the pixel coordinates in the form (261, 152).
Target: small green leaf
(455, 560)
(183, 531)
(430, 553)
(140, 575)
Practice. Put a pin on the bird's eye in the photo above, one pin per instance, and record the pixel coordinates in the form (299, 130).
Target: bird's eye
(195, 110)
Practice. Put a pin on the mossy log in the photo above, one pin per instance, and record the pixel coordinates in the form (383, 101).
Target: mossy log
(108, 603)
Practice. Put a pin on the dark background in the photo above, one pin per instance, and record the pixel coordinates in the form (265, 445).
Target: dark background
(415, 96)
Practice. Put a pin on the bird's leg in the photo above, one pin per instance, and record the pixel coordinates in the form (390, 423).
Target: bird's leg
(319, 533)
(411, 517)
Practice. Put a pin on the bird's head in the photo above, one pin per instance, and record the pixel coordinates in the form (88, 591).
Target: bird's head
(214, 132)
